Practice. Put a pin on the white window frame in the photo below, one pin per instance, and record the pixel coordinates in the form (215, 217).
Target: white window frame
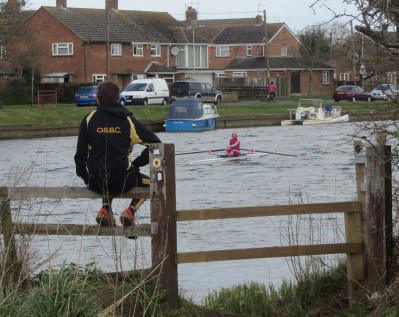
(284, 50)
(391, 77)
(116, 49)
(99, 77)
(220, 75)
(138, 50)
(239, 74)
(249, 50)
(222, 51)
(325, 77)
(62, 49)
(343, 76)
(155, 50)
(3, 52)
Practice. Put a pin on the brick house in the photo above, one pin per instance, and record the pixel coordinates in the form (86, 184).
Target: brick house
(87, 45)
(361, 61)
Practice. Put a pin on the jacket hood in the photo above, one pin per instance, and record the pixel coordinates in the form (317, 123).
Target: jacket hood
(116, 110)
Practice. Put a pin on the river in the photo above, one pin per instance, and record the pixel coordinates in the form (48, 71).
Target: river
(323, 172)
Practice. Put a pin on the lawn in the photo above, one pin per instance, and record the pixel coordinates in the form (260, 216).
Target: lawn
(70, 114)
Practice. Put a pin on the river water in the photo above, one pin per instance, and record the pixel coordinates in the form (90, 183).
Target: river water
(323, 172)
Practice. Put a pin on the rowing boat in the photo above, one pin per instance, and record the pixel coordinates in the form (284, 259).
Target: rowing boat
(241, 157)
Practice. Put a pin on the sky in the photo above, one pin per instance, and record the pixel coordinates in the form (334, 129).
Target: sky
(297, 14)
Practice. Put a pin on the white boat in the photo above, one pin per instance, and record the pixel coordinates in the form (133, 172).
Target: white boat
(216, 158)
(312, 112)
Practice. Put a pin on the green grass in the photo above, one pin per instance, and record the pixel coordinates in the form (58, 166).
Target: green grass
(70, 114)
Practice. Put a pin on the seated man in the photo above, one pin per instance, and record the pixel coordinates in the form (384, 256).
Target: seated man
(103, 154)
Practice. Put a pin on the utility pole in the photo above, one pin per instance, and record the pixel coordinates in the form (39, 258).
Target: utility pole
(107, 39)
(266, 50)
(353, 54)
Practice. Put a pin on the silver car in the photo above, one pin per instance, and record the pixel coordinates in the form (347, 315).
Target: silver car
(385, 92)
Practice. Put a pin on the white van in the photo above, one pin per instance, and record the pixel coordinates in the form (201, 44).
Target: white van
(146, 91)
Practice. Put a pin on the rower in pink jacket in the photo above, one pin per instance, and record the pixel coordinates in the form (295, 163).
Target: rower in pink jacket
(233, 148)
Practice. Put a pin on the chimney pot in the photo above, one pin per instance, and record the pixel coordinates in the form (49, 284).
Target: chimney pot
(112, 4)
(61, 3)
(258, 20)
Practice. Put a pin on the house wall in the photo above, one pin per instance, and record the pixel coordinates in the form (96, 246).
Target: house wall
(284, 37)
(87, 58)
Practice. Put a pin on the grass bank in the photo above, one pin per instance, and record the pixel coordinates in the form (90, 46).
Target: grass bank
(70, 114)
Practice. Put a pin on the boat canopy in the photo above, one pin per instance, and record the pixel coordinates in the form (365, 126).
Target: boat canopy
(186, 109)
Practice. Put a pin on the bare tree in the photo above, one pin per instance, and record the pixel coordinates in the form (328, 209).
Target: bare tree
(315, 50)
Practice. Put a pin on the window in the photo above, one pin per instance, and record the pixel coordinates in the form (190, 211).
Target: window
(249, 50)
(185, 58)
(239, 74)
(344, 76)
(391, 77)
(116, 49)
(62, 49)
(3, 52)
(155, 50)
(138, 50)
(283, 50)
(99, 77)
(326, 77)
(220, 75)
(222, 51)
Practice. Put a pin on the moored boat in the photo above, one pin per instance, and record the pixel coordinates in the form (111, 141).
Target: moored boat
(191, 114)
(312, 112)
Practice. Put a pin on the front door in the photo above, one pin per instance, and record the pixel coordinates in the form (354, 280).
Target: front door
(295, 82)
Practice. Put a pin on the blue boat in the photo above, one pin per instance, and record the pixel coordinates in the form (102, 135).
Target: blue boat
(191, 114)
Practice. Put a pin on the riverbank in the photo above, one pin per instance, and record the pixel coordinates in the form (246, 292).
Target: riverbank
(27, 131)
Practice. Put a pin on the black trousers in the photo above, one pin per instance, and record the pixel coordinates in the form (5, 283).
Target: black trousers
(117, 182)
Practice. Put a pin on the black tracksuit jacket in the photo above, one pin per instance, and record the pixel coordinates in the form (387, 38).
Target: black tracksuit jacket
(106, 139)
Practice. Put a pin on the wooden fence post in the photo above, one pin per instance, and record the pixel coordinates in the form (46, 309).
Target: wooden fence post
(378, 217)
(11, 265)
(163, 219)
(355, 227)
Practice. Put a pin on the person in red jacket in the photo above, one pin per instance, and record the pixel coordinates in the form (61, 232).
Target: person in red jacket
(233, 148)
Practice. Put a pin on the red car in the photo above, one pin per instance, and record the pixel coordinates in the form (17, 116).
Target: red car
(351, 93)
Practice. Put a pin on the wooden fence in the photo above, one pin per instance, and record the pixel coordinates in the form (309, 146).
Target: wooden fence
(368, 223)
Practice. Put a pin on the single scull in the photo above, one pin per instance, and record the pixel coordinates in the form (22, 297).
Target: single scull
(243, 156)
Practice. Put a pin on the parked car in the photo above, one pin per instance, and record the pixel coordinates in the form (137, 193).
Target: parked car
(351, 93)
(385, 92)
(195, 89)
(87, 96)
(146, 91)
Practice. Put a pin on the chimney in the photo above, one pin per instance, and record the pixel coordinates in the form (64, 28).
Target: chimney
(111, 4)
(61, 3)
(191, 15)
(258, 20)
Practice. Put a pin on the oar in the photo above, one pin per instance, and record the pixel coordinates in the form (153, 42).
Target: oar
(197, 152)
(269, 152)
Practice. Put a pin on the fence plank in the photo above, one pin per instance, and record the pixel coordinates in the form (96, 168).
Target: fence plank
(80, 230)
(271, 252)
(70, 192)
(265, 211)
